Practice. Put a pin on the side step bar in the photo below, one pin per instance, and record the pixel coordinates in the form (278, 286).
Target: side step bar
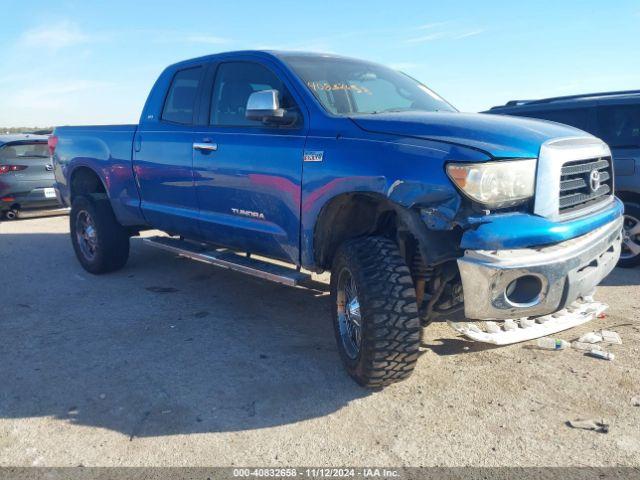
(228, 259)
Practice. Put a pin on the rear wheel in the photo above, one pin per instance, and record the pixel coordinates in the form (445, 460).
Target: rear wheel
(375, 316)
(630, 252)
(11, 214)
(100, 242)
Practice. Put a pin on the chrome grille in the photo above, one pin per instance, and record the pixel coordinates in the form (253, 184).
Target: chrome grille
(576, 188)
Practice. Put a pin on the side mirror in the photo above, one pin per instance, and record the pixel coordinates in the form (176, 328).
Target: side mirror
(264, 106)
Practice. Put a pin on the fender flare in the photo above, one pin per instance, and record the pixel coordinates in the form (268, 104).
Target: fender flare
(436, 246)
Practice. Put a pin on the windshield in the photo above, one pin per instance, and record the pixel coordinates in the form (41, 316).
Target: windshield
(352, 87)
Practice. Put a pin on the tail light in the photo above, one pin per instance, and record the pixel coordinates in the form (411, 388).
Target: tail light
(52, 142)
(11, 168)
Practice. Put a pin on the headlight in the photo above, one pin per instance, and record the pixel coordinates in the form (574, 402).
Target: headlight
(495, 184)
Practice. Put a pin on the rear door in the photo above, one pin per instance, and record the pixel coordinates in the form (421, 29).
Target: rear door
(619, 126)
(163, 157)
(248, 183)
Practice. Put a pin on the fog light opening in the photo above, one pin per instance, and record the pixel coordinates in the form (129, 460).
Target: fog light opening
(524, 291)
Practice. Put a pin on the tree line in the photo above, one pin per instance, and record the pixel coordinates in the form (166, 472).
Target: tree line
(38, 130)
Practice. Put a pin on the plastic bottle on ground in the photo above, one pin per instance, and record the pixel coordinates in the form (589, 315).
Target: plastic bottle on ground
(547, 343)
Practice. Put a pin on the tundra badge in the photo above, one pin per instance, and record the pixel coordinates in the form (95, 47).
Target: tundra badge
(247, 213)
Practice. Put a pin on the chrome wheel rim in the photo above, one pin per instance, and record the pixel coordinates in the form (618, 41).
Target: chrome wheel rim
(349, 317)
(86, 235)
(630, 238)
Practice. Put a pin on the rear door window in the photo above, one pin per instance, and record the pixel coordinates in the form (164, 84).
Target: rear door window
(619, 125)
(574, 117)
(181, 97)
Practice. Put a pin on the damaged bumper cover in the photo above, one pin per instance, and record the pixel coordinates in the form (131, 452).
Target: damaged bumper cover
(526, 282)
(581, 311)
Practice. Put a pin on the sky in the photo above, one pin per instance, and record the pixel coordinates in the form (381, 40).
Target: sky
(93, 62)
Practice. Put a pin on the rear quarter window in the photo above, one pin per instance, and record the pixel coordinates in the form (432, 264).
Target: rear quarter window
(181, 97)
(619, 125)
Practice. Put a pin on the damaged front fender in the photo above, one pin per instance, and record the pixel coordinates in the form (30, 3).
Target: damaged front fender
(438, 204)
(435, 215)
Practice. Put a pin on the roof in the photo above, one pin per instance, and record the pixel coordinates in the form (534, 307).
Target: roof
(571, 98)
(299, 53)
(280, 54)
(19, 137)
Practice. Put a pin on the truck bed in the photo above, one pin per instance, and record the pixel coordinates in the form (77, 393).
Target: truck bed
(106, 149)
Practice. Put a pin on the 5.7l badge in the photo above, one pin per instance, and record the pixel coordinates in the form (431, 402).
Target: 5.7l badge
(313, 155)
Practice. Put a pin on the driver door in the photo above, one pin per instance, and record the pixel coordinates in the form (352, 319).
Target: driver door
(248, 179)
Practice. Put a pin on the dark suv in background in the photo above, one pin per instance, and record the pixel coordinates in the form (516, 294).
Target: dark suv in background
(615, 118)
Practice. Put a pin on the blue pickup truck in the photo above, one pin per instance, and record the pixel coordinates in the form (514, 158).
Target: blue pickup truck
(276, 164)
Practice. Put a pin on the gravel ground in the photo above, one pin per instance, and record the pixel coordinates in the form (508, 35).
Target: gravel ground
(171, 362)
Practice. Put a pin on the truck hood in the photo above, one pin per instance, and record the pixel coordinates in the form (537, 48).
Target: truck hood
(500, 136)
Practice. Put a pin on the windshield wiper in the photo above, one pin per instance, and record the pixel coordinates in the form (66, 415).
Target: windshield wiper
(394, 110)
(390, 110)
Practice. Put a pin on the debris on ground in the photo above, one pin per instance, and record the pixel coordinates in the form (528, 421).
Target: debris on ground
(597, 353)
(586, 347)
(547, 343)
(610, 336)
(591, 337)
(635, 401)
(586, 424)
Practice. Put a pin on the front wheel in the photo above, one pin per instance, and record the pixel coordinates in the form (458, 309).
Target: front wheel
(100, 242)
(375, 316)
(630, 251)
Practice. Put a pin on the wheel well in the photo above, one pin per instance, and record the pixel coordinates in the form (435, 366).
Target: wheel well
(429, 254)
(85, 181)
(629, 197)
(352, 215)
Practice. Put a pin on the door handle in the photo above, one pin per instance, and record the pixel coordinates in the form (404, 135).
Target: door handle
(205, 147)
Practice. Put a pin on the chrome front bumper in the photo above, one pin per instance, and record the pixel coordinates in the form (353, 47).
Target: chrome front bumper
(503, 284)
